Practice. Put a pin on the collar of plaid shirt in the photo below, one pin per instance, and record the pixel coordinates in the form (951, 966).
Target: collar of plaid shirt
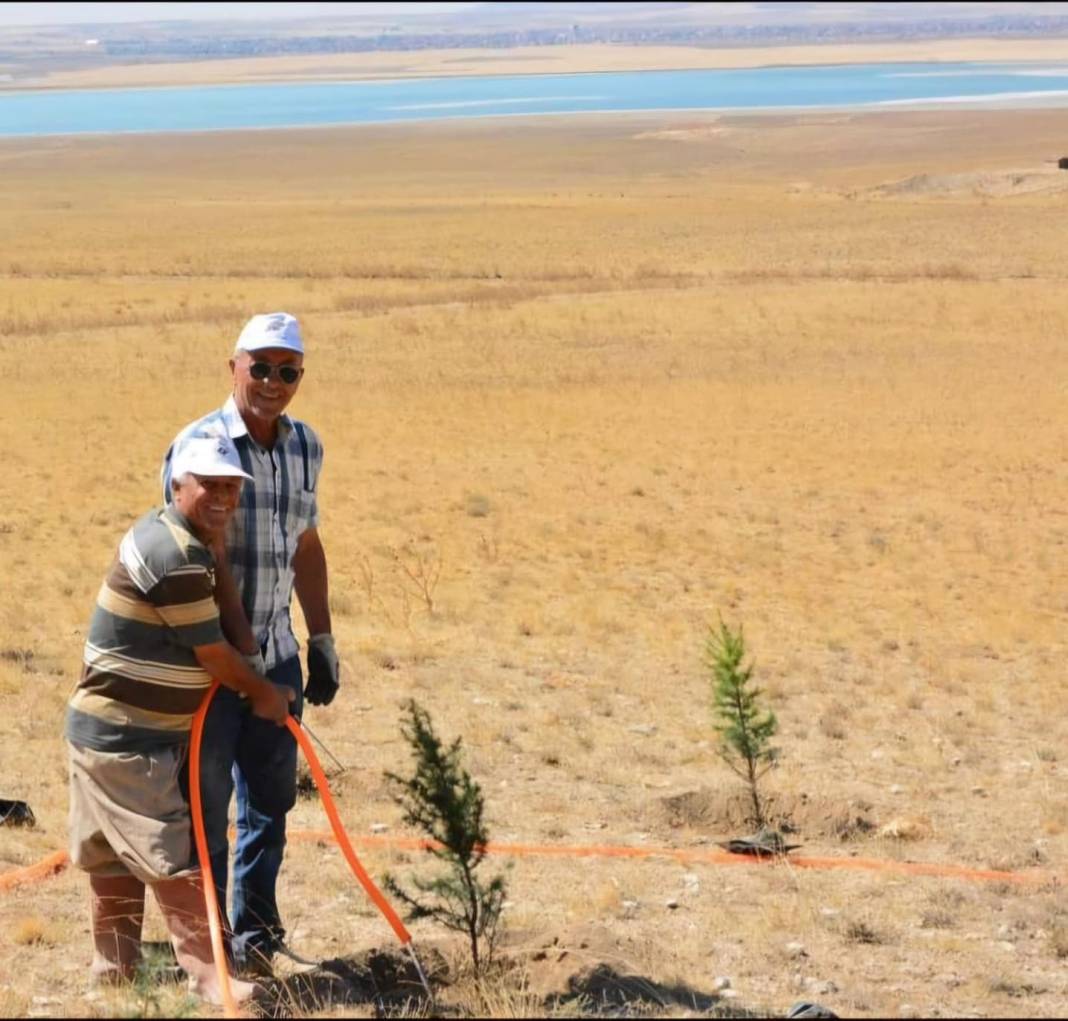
(235, 424)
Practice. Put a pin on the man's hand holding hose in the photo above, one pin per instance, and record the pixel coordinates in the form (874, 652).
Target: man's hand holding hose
(232, 670)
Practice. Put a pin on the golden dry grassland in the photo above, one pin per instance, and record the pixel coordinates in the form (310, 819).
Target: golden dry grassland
(531, 60)
(612, 376)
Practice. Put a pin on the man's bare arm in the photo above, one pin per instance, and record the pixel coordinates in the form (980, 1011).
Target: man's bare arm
(235, 624)
(310, 582)
(225, 664)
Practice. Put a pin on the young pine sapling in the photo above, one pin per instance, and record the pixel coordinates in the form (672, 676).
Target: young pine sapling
(745, 729)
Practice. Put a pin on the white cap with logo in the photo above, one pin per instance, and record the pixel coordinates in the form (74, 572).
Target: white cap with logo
(271, 329)
(207, 455)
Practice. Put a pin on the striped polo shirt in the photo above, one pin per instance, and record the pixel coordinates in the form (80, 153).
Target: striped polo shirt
(141, 682)
(276, 507)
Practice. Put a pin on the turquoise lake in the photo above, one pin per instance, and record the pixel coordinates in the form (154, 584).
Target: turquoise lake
(231, 107)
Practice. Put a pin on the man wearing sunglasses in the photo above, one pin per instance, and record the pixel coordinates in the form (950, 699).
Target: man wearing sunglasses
(272, 550)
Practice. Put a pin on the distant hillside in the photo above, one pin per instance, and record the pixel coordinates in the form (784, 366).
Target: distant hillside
(500, 26)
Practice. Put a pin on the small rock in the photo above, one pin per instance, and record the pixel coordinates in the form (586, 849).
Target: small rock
(1007, 946)
(671, 904)
(979, 792)
(804, 1009)
(877, 754)
(379, 827)
(691, 882)
(729, 994)
(721, 982)
(645, 729)
(795, 950)
(630, 908)
(897, 789)
(907, 828)
(830, 912)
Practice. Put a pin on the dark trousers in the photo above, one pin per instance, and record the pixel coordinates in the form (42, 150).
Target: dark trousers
(258, 759)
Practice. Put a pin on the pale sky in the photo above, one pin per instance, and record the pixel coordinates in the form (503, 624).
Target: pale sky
(24, 14)
(90, 13)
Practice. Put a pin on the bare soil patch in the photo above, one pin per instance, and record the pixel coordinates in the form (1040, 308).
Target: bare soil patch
(1046, 179)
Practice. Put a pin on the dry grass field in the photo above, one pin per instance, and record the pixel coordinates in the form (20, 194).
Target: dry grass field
(613, 376)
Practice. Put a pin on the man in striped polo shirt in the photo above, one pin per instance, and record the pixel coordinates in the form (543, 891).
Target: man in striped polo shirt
(273, 548)
(155, 642)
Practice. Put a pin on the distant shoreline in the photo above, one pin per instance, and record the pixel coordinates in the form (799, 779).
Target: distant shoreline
(530, 60)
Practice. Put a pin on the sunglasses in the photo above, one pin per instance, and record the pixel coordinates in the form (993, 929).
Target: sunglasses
(288, 374)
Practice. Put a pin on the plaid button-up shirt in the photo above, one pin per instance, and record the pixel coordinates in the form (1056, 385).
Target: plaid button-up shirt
(276, 507)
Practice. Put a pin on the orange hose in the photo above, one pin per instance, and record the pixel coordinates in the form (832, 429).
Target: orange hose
(44, 869)
(57, 862)
(199, 835)
(342, 837)
(710, 857)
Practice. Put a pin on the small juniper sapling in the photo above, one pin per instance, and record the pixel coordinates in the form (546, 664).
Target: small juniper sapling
(442, 800)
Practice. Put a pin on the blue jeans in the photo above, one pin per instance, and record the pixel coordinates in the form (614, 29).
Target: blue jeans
(259, 759)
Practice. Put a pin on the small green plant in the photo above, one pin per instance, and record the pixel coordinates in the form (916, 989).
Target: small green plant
(442, 800)
(155, 989)
(745, 729)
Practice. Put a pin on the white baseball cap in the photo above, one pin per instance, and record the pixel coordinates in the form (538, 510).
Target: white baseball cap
(271, 329)
(207, 455)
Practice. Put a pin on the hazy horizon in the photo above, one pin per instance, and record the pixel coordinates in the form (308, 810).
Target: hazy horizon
(36, 14)
(69, 14)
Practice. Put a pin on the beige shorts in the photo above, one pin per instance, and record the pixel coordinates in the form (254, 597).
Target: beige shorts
(128, 813)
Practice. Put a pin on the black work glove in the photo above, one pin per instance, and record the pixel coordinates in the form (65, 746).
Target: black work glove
(323, 668)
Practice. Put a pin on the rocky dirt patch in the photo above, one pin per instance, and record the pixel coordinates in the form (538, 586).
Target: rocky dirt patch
(1045, 179)
(721, 813)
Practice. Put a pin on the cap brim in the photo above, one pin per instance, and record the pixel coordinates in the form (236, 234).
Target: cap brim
(268, 345)
(218, 473)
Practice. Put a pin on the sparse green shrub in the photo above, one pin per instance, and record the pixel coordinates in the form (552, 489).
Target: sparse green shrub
(155, 987)
(442, 800)
(745, 729)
